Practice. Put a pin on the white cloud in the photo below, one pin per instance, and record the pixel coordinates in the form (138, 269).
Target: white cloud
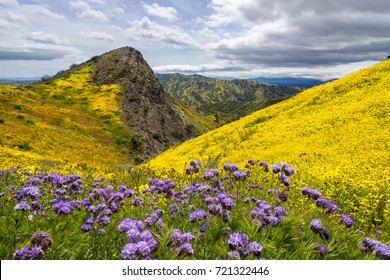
(147, 30)
(9, 3)
(102, 36)
(49, 14)
(156, 10)
(46, 38)
(86, 12)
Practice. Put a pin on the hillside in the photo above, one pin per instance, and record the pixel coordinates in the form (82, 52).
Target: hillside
(222, 99)
(107, 111)
(337, 133)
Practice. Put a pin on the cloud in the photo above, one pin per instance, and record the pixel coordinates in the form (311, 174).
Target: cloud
(156, 10)
(46, 38)
(86, 12)
(32, 53)
(8, 3)
(46, 13)
(301, 33)
(102, 36)
(203, 68)
(152, 32)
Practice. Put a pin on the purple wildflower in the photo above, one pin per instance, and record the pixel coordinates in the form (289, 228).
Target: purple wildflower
(265, 165)
(143, 248)
(234, 255)
(240, 243)
(316, 225)
(215, 209)
(23, 253)
(179, 238)
(284, 179)
(327, 204)
(22, 205)
(186, 248)
(204, 226)
(86, 227)
(198, 215)
(325, 233)
(27, 253)
(129, 251)
(311, 192)
(230, 167)
(251, 161)
(210, 174)
(280, 212)
(240, 175)
(347, 220)
(256, 248)
(276, 168)
(322, 249)
(41, 238)
(137, 201)
(382, 251)
(196, 165)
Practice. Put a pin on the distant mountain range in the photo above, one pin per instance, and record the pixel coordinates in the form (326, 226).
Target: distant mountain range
(18, 80)
(224, 100)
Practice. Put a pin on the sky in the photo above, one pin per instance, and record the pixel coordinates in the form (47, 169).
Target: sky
(219, 38)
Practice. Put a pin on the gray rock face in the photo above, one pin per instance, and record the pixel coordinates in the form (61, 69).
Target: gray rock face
(147, 108)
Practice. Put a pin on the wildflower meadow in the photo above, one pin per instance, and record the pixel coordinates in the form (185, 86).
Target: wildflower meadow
(225, 211)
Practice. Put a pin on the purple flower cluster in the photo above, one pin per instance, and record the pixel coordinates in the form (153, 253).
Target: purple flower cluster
(263, 214)
(141, 243)
(327, 204)
(102, 203)
(251, 162)
(154, 218)
(231, 167)
(42, 239)
(317, 227)
(381, 250)
(162, 186)
(347, 220)
(322, 249)
(64, 189)
(241, 247)
(211, 174)
(265, 165)
(311, 192)
(196, 187)
(240, 175)
(220, 204)
(182, 242)
(198, 215)
(28, 196)
(27, 253)
(284, 171)
(194, 167)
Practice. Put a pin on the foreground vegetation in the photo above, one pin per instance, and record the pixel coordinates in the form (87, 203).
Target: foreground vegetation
(256, 212)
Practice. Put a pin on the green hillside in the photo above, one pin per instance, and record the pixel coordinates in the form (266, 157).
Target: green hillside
(223, 100)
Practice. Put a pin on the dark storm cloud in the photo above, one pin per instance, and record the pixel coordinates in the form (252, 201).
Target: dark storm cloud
(305, 33)
(32, 54)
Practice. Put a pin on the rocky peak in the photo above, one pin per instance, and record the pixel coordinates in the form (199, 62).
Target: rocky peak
(147, 108)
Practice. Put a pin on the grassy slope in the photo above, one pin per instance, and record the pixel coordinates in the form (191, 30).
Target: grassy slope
(337, 134)
(66, 121)
(227, 99)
